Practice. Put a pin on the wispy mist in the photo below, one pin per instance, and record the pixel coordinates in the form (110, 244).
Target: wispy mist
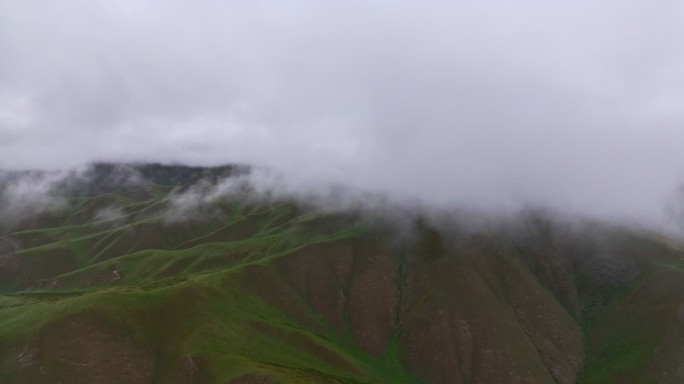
(26, 194)
(492, 105)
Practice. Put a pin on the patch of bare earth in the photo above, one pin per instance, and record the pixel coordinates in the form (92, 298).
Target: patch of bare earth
(478, 316)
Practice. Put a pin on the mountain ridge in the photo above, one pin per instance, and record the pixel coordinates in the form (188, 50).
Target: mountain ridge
(269, 291)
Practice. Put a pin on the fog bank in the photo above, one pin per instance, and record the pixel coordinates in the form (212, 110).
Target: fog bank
(493, 106)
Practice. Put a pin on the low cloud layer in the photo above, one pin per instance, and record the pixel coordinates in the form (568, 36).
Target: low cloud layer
(23, 195)
(494, 105)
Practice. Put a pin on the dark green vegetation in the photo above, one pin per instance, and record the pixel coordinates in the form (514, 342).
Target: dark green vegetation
(120, 283)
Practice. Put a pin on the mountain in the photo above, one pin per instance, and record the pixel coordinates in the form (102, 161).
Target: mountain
(143, 273)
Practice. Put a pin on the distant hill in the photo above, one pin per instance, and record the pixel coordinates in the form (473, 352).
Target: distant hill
(128, 280)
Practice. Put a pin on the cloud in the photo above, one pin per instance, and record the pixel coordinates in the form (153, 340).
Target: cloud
(492, 105)
(110, 215)
(26, 194)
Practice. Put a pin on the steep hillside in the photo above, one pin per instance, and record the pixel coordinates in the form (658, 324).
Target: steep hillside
(148, 280)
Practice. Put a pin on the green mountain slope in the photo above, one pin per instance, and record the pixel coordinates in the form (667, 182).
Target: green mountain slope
(131, 286)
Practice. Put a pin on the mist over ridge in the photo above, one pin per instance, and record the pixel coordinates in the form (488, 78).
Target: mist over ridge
(197, 194)
(341, 191)
(491, 106)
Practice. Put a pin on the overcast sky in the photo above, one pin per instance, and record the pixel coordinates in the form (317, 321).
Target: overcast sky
(493, 104)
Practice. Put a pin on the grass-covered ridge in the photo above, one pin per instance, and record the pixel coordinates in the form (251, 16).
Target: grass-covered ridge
(182, 301)
(163, 280)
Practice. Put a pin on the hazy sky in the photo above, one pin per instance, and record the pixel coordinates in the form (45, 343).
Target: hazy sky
(577, 105)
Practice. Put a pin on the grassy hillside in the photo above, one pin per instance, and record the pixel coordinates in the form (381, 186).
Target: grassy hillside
(139, 285)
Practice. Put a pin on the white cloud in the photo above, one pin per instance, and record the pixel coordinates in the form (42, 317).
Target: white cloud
(490, 104)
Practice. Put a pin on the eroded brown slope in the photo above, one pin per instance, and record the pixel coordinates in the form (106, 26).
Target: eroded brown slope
(473, 315)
